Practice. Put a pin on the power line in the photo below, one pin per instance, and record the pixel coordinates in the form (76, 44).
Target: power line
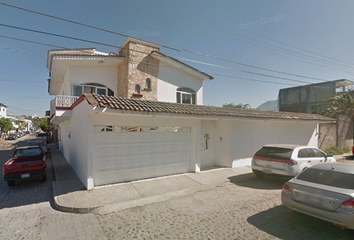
(254, 73)
(287, 79)
(58, 35)
(248, 79)
(81, 24)
(28, 110)
(8, 80)
(273, 46)
(20, 51)
(159, 13)
(34, 42)
(302, 49)
(86, 25)
(47, 15)
(248, 65)
(68, 37)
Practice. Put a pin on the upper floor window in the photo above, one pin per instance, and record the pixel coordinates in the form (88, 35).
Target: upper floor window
(78, 90)
(185, 95)
(148, 83)
(137, 89)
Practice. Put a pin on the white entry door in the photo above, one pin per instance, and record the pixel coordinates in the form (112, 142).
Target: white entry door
(126, 153)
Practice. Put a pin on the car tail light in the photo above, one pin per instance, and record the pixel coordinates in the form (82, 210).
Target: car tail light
(4, 168)
(348, 205)
(286, 189)
(341, 225)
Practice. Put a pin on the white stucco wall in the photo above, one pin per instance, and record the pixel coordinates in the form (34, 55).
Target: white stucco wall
(170, 79)
(232, 142)
(2, 111)
(208, 139)
(105, 75)
(238, 140)
(74, 148)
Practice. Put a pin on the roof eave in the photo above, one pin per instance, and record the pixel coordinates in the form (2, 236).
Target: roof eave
(182, 66)
(97, 109)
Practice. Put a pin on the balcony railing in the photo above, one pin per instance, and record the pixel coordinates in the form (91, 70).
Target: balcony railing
(65, 101)
(61, 101)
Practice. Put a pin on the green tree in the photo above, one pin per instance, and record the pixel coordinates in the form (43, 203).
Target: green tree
(240, 105)
(341, 104)
(44, 125)
(36, 122)
(340, 107)
(5, 125)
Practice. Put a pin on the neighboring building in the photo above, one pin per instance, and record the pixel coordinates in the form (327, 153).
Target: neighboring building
(2, 110)
(139, 114)
(309, 98)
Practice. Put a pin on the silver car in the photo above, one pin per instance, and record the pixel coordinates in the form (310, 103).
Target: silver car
(324, 191)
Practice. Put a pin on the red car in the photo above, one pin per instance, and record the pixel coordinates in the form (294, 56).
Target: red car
(25, 163)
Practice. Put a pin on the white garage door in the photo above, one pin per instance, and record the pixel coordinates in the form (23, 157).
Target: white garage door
(125, 153)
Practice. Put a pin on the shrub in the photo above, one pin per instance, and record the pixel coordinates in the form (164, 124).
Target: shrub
(334, 150)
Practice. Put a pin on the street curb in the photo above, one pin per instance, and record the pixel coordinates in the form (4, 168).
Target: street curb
(64, 208)
(149, 200)
(129, 204)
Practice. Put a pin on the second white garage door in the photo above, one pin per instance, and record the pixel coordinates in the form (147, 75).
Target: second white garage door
(125, 153)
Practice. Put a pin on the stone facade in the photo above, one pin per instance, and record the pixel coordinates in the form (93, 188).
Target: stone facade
(136, 69)
(339, 134)
(327, 135)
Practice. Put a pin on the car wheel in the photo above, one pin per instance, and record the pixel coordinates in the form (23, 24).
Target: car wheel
(258, 174)
(11, 183)
(44, 178)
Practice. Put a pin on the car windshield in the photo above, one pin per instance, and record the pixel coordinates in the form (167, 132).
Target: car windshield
(35, 143)
(27, 152)
(274, 152)
(328, 177)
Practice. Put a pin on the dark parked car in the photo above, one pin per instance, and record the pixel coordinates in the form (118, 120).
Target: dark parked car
(25, 163)
(11, 137)
(324, 191)
(43, 136)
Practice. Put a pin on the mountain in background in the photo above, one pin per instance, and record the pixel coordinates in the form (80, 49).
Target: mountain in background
(269, 106)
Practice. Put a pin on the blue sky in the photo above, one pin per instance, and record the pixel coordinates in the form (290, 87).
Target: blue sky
(308, 38)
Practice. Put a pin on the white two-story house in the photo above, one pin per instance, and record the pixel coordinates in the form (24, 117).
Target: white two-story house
(2, 110)
(139, 114)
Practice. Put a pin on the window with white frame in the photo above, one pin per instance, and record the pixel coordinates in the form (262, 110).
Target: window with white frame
(185, 96)
(79, 89)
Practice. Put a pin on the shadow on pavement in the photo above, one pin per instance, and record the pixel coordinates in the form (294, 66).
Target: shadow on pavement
(25, 192)
(251, 181)
(288, 225)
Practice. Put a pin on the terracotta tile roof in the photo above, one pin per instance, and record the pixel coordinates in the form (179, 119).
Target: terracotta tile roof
(84, 55)
(174, 59)
(120, 103)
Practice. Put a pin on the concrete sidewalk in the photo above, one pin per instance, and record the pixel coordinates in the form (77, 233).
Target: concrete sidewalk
(71, 196)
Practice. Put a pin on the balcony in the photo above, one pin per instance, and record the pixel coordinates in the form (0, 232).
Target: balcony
(60, 108)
